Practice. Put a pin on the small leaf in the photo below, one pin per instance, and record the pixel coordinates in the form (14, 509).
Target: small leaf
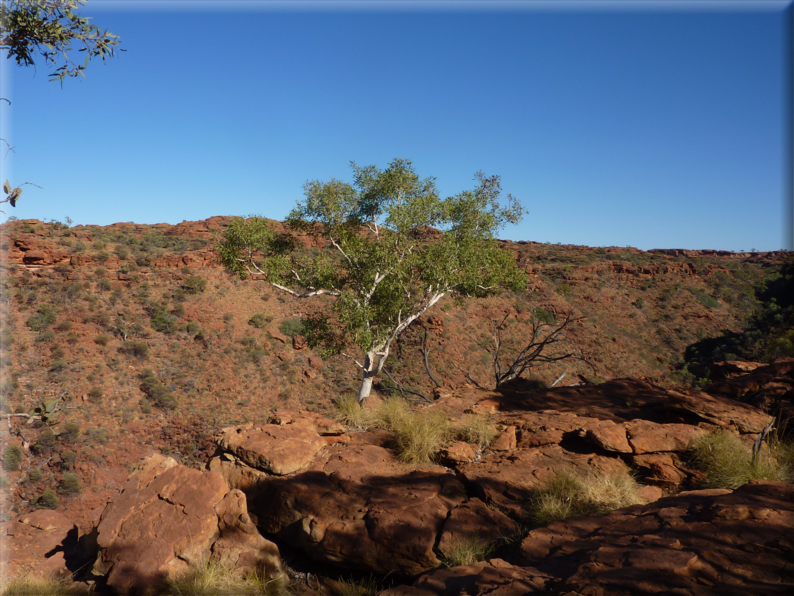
(6, 187)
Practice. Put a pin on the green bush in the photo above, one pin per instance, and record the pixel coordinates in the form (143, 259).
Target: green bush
(45, 337)
(70, 431)
(194, 284)
(192, 328)
(12, 458)
(34, 476)
(43, 318)
(44, 442)
(156, 391)
(67, 460)
(564, 290)
(163, 321)
(95, 395)
(48, 500)
(57, 366)
(70, 484)
(259, 321)
(102, 339)
(291, 327)
(138, 349)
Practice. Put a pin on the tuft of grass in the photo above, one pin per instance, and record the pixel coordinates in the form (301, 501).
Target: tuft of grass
(38, 585)
(367, 586)
(569, 495)
(351, 413)
(467, 551)
(391, 412)
(214, 579)
(419, 436)
(728, 463)
(475, 428)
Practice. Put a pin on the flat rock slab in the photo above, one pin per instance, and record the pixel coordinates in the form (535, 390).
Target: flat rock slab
(361, 509)
(716, 542)
(494, 578)
(274, 448)
(37, 542)
(507, 480)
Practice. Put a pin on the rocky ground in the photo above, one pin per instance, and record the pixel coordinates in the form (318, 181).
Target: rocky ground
(247, 466)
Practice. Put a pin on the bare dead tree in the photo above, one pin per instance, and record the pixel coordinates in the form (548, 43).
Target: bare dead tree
(426, 355)
(544, 345)
(402, 389)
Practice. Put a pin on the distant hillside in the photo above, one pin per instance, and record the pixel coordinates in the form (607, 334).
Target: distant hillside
(152, 345)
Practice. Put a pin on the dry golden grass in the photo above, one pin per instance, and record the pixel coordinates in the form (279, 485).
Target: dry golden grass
(475, 428)
(351, 413)
(37, 585)
(419, 436)
(728, 463)
(466, 551)
(214, 579)
(367, 586)
(568, 495)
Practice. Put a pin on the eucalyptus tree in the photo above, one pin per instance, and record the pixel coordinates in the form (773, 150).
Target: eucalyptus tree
(394, 250)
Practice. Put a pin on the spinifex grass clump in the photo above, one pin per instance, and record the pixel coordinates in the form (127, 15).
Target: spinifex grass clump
(568, 494)
(728, 462)
(418, 434)
(214, 579)
(466, 551)
(38, 585)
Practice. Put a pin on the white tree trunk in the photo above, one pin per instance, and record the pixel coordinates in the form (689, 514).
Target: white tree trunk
(369, 371)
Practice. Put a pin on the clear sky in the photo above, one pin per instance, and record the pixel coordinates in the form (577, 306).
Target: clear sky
(646, 124)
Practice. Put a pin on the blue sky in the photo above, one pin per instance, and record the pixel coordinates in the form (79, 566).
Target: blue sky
(646, 124)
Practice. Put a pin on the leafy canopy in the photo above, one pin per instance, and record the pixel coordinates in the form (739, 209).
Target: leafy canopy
(396, 248)
(48, 27)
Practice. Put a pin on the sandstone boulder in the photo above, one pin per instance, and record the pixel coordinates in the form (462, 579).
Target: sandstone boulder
(166, 519)
(277, 449)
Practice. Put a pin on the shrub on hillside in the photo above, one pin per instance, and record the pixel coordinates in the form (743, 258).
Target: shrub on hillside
(163, 321)
(194, 284)
(47, 500)
(259, 320)
(95, 395)
(156, 391)
(291, 327)
(138, 349)
(44, 317)
(70, 484)
(70, 431)
(12, 458)
(44, 442)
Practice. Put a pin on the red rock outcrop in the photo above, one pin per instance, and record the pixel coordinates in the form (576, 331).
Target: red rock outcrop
(37, 543)
(167, 518)
(701, 543)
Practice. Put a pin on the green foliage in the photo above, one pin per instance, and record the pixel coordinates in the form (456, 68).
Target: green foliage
(705, 298)
(194, 284)
(70, 431)
(47, 500)
(12, 458)
(49, 27)
(43, 318)
(259, 321)
(95, 395)
(291, 327)
(57, 366)
(44, 442)
(163, 321)
(564, 290)
(70, 484)
(386, 266)
(138, 349)
(67, 460)
(156, 391)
